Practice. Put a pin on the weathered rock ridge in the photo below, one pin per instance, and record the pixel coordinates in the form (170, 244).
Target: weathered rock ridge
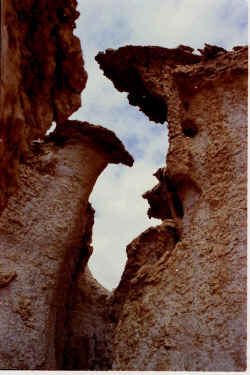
(181, 303)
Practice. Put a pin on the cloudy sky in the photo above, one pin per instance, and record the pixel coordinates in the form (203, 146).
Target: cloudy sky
(120, 209)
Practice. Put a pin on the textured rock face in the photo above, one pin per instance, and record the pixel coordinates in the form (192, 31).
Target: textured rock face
(181, 303)
(45, 230)
(42, 76)
(45, 234)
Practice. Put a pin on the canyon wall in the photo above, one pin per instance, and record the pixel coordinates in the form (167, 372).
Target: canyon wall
(45, 236)
(181, 303)
(38, 84)
(45, 182)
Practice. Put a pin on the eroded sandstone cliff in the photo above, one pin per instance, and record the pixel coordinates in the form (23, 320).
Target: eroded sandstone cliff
(46, 226)
(45, 237)
(42, 76)
(181, 303)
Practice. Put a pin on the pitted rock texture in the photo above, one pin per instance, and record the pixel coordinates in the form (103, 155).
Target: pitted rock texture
(190, 311)
(42, 76)
(45, 234)
(155, 242)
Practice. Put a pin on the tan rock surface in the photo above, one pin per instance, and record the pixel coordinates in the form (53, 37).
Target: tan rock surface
(42, 76)
(190, 307)
(44, 235)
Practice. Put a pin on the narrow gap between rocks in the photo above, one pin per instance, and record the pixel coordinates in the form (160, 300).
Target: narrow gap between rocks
(120, 210)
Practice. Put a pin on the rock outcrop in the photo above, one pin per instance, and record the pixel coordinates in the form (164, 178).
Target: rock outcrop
(42, 76)
(45, 236)
(181, 303)
(45, 182)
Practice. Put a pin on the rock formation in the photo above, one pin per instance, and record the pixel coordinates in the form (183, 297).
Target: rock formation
(181, 302)
(38, 84)
(45, 235)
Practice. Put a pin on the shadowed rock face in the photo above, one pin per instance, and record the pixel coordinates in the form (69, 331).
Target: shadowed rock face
(189, 312)
(121, 67)
(89, 345)
(42, 76)
(45, 237)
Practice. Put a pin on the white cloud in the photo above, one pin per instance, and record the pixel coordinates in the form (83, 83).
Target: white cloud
(120, 210)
